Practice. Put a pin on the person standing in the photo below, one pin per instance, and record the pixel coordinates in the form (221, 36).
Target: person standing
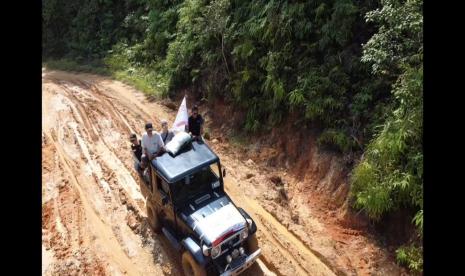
(166, 134)
(137, 151)
(136, 146)
(195, 125)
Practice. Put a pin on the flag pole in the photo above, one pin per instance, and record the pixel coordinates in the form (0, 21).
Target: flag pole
(185, 96)
(182, 116)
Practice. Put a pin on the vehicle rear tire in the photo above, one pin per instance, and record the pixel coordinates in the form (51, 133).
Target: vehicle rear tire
(152, 218)
(190, 267)
(252, 243)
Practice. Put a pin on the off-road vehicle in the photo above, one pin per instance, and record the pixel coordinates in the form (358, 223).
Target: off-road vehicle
(186, 202)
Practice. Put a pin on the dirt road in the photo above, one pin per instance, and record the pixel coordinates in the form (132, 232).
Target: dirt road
(93, 212)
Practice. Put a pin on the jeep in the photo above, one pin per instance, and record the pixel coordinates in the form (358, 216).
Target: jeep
(186, 202)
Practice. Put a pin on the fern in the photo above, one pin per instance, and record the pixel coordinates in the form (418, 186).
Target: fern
(418, 221)
(411, 256)
(296, 98)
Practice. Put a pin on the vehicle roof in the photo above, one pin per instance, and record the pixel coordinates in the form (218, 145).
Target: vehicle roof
(195, 156)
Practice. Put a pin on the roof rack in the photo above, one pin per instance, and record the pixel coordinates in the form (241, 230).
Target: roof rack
(193, 156)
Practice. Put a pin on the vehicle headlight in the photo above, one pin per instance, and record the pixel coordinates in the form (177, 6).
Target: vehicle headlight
(249, 222)
(205, 250)
(216, 251)
(244, 234)
(241, 250)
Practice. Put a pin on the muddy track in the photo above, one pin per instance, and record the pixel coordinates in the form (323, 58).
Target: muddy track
(93, 210)
(103, 232)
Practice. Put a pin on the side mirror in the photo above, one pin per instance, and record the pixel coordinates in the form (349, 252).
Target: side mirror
(224, 172)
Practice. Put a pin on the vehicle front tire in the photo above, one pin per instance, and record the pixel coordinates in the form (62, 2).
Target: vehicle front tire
(190, 267)
(252, 243)
(152, 218)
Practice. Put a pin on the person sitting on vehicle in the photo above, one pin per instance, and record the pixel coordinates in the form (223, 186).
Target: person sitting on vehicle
(195, 124)
(136, 149)
(166, 134)
(152, 145)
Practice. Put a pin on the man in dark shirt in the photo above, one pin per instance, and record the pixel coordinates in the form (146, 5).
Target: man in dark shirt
(166, 134)
(195, 123)
(137, 150)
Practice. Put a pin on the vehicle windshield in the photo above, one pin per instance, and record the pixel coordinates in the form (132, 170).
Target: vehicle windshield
(194, 185)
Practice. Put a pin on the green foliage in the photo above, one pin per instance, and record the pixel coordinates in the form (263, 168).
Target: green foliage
(117, 66)
(412, 257)
(270, 59)
(390, 174)
(70, 65)
(273, 56)
(123, 65)
(56, 20)
(182, 52)
(337, 139)
(86, 30)
(400, 36)
(393, 161)
(418, 221)
(162, 19)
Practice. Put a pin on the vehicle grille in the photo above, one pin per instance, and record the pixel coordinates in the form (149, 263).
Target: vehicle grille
(230, 243)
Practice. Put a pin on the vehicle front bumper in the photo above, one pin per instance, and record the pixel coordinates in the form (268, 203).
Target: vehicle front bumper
(246, 264)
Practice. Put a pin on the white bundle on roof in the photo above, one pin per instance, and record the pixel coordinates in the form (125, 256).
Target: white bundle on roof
(178, 141)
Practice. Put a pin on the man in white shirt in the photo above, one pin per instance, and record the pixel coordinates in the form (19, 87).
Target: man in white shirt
(152, 145)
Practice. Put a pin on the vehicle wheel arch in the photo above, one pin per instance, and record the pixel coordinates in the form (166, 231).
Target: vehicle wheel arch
(153, 217)
(191, 266)
(189, 245)
(253, 228)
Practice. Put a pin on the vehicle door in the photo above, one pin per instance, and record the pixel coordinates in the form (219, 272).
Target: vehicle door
(162, 198)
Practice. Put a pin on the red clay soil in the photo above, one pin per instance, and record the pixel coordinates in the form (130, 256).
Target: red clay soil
(94, 218)
(307, 190)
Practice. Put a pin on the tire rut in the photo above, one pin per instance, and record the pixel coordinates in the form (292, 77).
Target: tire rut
(101, 113)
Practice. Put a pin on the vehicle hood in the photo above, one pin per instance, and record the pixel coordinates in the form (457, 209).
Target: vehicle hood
(216, 219)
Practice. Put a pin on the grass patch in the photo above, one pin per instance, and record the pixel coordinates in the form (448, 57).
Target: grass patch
(143, 79)
(238, 139)
(95, 67)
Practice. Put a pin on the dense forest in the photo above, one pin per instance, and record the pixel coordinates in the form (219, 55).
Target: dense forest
(351, 68)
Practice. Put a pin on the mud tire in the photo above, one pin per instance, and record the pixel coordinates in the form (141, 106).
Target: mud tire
(252, 243)
(190, 267)
(153, 219)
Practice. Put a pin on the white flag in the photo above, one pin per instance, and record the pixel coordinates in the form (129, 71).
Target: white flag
(181, 118)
